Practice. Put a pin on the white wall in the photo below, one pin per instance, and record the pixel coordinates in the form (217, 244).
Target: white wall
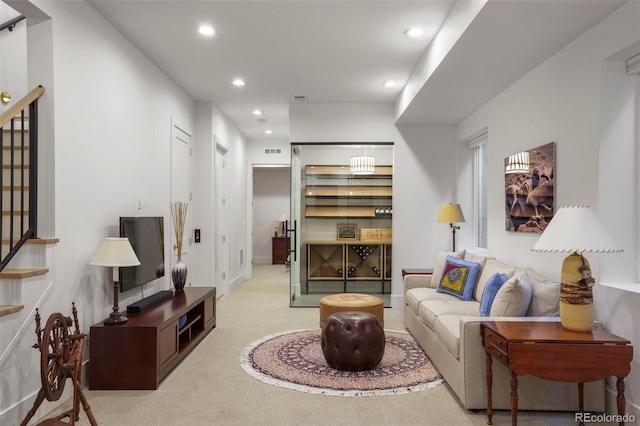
(113, 111)
(270, 198)
(13, 58)
(589, 107)
(213, 128)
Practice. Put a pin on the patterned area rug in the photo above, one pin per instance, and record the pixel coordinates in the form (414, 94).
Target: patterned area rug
(294, 360)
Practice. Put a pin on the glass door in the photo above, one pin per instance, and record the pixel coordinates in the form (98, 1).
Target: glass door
(341, 209)
(293, 228)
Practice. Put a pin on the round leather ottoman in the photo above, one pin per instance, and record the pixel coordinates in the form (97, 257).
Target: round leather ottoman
(342, 302)
(352, 341)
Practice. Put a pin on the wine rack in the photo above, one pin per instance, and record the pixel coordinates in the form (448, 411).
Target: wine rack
(348, 261)
(364, 261)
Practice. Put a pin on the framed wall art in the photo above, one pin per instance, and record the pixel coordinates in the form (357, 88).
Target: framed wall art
(347, 231)
(529, 189)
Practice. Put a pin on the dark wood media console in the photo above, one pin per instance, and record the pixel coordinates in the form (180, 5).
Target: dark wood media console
(141, 352)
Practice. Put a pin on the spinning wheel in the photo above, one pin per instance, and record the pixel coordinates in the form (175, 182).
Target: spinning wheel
(52, 369)
(60, 358)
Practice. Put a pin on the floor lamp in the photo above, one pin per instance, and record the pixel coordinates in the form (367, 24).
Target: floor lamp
(115, 252)
(451, 213)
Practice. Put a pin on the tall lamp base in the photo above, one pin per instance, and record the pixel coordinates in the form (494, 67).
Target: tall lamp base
(576, 295)
(115, 317)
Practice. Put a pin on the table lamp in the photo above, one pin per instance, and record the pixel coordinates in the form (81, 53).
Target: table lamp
(576, 230)
(284, 217)
(115, 252)
(451, 213)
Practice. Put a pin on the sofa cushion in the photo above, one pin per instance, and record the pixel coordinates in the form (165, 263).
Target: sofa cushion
(447, 327)
(490, 291)
(430, 310)
(513, 298)
(414, 296)
(545, 300)
(439, 266)
(477, 258)
(491, 267)
(459, 277)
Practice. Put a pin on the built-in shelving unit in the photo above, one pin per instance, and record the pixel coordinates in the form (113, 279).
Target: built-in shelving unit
(334, 196)
(333, 192)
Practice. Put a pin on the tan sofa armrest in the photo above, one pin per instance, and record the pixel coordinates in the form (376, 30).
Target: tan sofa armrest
(415, 281)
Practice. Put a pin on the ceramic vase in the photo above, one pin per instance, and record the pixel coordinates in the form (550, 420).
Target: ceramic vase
(179, 275)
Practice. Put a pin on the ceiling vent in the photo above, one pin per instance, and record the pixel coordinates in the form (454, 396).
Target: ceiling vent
(273, 151)
(633, 65)
(300, 98)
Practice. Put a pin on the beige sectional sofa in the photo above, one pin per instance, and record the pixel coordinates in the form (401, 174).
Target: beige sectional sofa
(448, 329)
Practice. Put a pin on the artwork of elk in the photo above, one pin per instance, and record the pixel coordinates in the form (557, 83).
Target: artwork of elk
(529, 189)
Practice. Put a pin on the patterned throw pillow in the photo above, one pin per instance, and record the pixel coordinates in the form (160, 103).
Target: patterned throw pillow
(458, 278)
(489, 293)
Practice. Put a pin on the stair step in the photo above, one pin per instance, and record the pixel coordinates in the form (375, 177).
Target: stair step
(15, 188)
(9, 131)
(10, 309)
(15, 148)
(18, 273)
(15, 166)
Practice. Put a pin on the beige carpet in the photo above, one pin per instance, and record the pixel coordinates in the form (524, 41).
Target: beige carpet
(210, 388)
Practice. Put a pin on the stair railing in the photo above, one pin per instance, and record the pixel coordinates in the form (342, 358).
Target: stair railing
(15, 231)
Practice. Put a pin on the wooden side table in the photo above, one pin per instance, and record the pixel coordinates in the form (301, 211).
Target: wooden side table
(279, 250)
(413, 271)
(551, 352)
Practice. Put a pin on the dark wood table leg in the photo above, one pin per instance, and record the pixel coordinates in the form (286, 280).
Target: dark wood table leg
(489, 376)
(620, 400)
(514, 399)
(581, 401)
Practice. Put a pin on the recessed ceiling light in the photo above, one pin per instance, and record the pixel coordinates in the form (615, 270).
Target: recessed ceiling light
(257, 112)
(268, 131)
(389, 83)
(206, 30)
(414, 32)
(239, 82)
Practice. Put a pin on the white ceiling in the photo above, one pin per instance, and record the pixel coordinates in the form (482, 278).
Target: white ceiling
(342, 51)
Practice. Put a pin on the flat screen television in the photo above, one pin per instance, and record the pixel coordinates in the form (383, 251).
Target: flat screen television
(146, 235)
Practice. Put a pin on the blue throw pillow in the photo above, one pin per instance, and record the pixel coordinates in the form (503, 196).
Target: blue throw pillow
(490, 290)
(458, 278)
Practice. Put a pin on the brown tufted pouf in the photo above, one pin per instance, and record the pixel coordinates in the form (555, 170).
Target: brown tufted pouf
(352, 341)
(342, 302)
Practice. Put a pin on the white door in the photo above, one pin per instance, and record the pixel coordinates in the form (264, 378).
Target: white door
(181, 189)
(222, 217)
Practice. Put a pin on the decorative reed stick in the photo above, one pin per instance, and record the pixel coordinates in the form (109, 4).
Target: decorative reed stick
(179, 216)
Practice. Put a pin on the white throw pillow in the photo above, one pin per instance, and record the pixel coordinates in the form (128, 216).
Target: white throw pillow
(491, 267)
(440, 261)
(513, 298)
(545, 300)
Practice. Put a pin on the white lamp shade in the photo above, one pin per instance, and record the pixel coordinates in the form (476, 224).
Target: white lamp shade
(283, 217)
(575, 229)
(450, 213)
(115, 252)
(363, 164)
